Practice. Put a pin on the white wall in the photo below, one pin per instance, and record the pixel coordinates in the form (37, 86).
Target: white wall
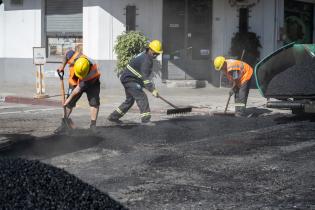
(2, 32)
(22, 30)
(261, 21)
(225, 24)
(104, 20)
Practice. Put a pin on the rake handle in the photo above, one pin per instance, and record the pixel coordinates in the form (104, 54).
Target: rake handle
(169, 103)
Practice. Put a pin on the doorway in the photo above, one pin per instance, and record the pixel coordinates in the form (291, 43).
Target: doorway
(187, 39)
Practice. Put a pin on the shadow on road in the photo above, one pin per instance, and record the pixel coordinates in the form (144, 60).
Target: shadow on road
(123, 137)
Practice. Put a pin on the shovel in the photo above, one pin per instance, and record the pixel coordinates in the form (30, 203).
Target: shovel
(176, 109)
(65, 120)
(226, 107)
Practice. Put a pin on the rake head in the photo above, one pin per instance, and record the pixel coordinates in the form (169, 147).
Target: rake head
(179, 111)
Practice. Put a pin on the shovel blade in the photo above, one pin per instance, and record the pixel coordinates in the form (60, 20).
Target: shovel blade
(68, 123)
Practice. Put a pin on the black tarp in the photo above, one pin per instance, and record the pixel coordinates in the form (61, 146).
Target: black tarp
(288, 73)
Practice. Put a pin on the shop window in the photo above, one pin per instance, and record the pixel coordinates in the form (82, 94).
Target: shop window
(131, 18)
(17, 2)
(57, 46)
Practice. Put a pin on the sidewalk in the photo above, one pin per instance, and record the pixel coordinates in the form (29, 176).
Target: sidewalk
(207, 99)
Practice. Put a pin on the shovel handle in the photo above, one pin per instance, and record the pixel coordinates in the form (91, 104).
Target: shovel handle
(169, 103)
(61, 74)
(63, 96)
(227, 103)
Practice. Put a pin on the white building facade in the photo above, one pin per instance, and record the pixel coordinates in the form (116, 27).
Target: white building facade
(193, 32)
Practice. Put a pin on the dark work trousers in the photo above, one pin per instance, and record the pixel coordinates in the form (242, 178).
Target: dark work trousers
(133, 93)
(241, 98)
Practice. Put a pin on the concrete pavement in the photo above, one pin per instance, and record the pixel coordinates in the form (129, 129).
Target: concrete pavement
(207, 99)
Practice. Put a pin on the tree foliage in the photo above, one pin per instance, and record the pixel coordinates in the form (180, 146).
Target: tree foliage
(127, 46)
(249, 42)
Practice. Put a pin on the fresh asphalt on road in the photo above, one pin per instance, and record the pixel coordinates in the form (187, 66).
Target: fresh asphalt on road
(196, 161)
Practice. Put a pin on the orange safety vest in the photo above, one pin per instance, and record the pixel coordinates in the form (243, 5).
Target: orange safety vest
(72, 78)
(93, 73)
(245, 70)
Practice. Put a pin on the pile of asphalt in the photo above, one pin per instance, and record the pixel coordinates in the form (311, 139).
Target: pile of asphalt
(27, 184)
(295, 81)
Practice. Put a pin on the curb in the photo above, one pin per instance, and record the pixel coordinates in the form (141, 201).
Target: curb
(31, 101)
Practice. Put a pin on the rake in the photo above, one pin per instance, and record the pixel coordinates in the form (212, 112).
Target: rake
(176, 109)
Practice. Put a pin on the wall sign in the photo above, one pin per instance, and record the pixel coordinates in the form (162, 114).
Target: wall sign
(39, 55)
(174, 25)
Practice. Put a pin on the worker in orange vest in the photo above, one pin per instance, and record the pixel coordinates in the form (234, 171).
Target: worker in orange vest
(68, 59)
(240, 74)
(86, 79)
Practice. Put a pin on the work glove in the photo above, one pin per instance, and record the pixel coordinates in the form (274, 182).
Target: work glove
(60, 73)
(155, 93)
(59, 70)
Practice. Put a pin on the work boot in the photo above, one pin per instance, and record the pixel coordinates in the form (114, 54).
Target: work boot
(94, 129)
(240, 111)
(113, 119)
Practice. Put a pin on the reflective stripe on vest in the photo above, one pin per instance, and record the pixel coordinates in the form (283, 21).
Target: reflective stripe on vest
(137, 74)
(119, 111)
(240, 104)
(146, 82)
(246, 71)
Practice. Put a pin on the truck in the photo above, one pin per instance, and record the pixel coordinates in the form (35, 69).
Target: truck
(286, 78)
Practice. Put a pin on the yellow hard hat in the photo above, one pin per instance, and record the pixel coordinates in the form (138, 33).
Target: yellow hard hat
(218, 62)
(81, 67)
(156, 46)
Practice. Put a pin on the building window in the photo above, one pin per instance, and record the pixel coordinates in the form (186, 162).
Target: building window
(131, 18)
(57, 46)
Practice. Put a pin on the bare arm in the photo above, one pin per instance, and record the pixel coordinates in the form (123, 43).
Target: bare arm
(75, 92)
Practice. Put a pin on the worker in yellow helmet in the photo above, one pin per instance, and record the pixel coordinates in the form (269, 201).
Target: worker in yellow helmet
(87, 78)
(135, 77)
(240, 74)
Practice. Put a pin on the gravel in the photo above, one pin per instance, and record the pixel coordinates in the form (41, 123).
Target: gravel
(295, 81)
(27, 184)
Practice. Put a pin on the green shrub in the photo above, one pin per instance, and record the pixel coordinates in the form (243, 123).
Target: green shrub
(249, 42)
(127, 46)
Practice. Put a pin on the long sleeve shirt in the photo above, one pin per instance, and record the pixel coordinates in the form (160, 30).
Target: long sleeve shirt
(139, 70)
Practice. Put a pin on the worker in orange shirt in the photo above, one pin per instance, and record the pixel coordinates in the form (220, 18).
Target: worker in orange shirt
(240, 74)
(69, 59)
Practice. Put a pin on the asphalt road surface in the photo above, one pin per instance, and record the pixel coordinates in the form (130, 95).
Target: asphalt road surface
(197, 161)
